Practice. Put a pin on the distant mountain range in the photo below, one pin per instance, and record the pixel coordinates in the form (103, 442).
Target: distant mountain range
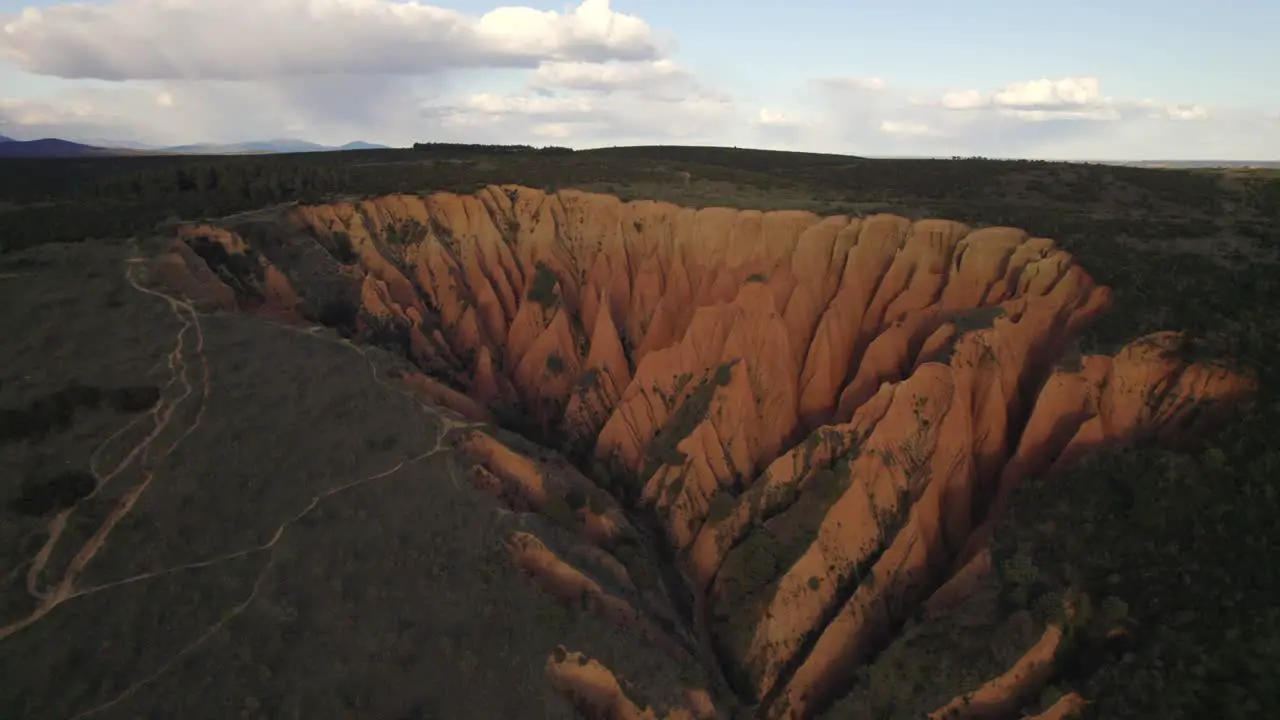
(55, 147)
(265, 146)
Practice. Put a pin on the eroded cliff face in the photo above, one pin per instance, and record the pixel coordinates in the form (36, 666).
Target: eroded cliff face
(819, 418)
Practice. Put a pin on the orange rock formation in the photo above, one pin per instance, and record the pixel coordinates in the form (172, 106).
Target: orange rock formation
(821, 416)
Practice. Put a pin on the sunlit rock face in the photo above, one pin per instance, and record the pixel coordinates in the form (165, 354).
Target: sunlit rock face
(767, 437)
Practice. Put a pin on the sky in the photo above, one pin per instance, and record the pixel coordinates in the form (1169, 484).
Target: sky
(1080, 80)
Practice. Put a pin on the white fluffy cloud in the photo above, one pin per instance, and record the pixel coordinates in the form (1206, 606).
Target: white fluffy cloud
(386, 70)
(774, 118)
(589, 118)
(256, 39)
(1068, 98)
(1070, 117)
(1183, 111)
(909, 128)
(1049, 94)
(962, 100)
(644, 76)
(399, 71)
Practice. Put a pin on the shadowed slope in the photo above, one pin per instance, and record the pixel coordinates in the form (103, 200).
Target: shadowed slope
(806, 426)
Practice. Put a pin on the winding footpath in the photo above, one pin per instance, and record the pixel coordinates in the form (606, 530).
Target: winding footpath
(188, 368)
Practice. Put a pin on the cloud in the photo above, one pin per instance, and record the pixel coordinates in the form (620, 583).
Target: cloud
(552, 131)
(1036, 100)
(773, 118)
(963, 100)
(386, 70)
(1066, 98)
(1042, 115)
(326, 109)
(855, 84)
(781, 130)
(1064, 117)
(649, 76)
(265, 39)
(1182, 112)
(14, 111)
(587, 117)
(496, 105)
(400, 71)
(899, 127)
(69, 118)
(1047, 94)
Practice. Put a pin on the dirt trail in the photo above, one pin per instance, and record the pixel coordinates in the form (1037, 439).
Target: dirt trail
(163, 414)
(146, 460)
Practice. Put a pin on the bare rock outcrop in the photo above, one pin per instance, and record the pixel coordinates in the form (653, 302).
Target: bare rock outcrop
(819, 418)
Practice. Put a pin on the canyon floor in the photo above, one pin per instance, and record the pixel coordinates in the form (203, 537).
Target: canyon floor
(261, 456)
